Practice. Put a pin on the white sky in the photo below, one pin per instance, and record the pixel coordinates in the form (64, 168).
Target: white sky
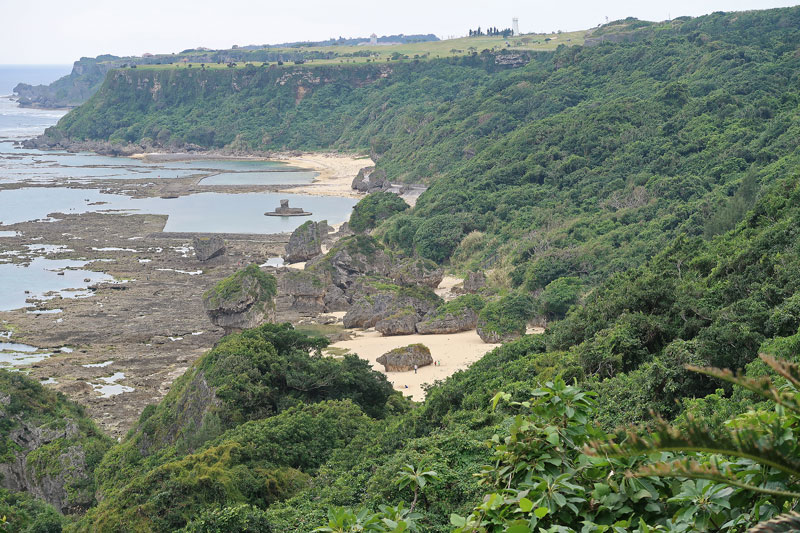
(61, 31)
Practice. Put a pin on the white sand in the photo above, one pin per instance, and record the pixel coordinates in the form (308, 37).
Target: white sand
(452, 352)
(445, 288)
(336, 172)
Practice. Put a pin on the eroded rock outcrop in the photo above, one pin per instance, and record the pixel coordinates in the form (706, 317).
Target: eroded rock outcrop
(417, 271)
(370, 180)
(306, 291)
(241, 301)
(474, 282)
(402, 322)
(406, 358)
(390, 305)
(46, 439)
(306, 241)
(465, 320)
(206, 248)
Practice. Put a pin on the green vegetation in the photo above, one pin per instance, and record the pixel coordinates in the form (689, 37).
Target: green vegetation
(458, 305)
(230, 289)
(253, 387)
(70, 445)
(507, 316)
(643, 195)
(375, 208)
(22, 513)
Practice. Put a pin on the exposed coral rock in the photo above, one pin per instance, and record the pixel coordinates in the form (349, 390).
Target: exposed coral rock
(206, 248)
(306, 290)
(306, 241)
(493, 337)
(241, 301)
(370, 180)
(474, 281)
(449, 323)
(417, 271)
(402, 322)
(406, 358)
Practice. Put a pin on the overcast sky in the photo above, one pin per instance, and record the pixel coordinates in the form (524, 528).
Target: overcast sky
(61, 31)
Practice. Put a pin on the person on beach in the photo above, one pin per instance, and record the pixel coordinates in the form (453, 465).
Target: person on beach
(415, 369)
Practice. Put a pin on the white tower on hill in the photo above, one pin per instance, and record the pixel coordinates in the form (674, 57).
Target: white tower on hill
(515, 26)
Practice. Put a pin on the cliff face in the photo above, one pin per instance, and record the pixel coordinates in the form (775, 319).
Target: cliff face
(48, 447)
(247, 108)
(71, 90)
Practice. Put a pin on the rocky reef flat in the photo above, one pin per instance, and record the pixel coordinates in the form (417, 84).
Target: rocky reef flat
(148, 324)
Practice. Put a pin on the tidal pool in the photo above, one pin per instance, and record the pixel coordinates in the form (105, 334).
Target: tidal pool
(40, 278)
(203, 212)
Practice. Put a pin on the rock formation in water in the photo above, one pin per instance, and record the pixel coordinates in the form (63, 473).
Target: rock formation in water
(243, 300)
(406, 358)
(206, 248)
(285, 211)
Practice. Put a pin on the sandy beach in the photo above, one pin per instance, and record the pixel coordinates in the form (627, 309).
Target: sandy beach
(336, 172)
(452, 352)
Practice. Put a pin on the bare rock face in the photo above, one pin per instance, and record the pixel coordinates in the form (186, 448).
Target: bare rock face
(474, 282)
(406, 358)
(306, 241)
(449, 323)
(206, 248)
(241, 301)
(18, 475)
(401, 308)
(46, 444)
(335, 299)
(352, 258)
(417, 271)
(370, 180)
(306, 291)
(403, 322)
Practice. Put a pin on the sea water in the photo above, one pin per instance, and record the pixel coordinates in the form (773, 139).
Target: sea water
(204, 212)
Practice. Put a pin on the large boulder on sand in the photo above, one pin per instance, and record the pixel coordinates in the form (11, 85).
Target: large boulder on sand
(306, 241)
(243, 300)
(206, 248)
(406, 358)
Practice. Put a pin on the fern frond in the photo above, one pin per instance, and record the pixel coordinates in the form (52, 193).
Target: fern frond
(785, 523)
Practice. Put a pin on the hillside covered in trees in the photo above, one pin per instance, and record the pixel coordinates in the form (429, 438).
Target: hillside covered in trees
(642, 196)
